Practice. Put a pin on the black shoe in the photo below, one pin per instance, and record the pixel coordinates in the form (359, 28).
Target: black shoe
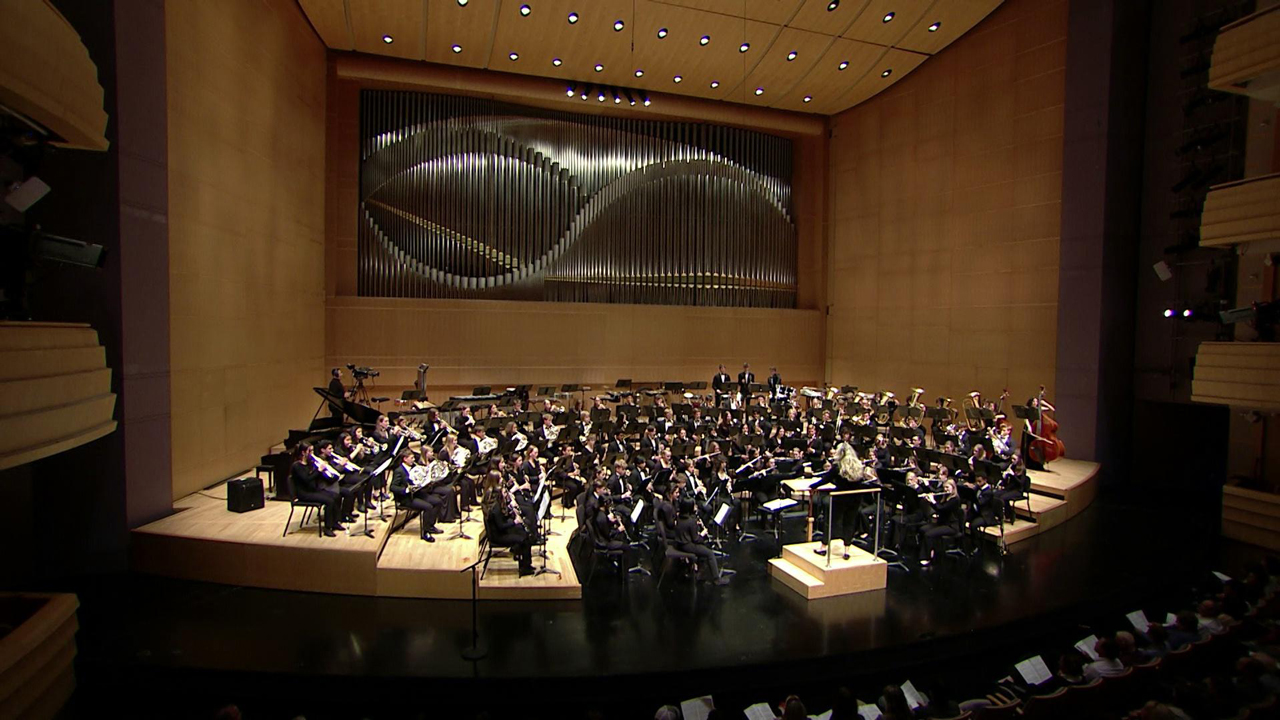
(433, 530)
(526, 571)
(428, 538)
(819, 551)
(330, 533)
(339, 526)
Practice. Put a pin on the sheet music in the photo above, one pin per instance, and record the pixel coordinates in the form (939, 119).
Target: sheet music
(721, 514)
(760, 711)
(806, 483)
(1086, 646)
(914, 699)
(1033, 670)
(383, 467)
(537, 493)
(698, 708)
(1170, 619)
(868, 712)
(824, 716)
(779, 504)
(635, 514)
(1138, 619)
(542, 508)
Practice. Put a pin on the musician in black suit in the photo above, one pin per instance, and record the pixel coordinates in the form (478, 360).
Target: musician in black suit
(1013, 485)
(664, 513)
(689, 538)
(745, 379)
(565, 474)
(422, 499)
(506, 529)
(337, 390)
(720, 384)
(775, 383)
(306, 481)
(984, 507)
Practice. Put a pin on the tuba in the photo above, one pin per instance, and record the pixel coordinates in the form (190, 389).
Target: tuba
(914, 400)
(973, 400)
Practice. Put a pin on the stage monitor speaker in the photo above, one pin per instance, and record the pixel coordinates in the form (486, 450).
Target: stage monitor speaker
(244, 494)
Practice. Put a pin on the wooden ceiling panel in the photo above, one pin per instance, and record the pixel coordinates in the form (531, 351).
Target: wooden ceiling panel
(900, 63)
(329, 18)
(815, 17)
(404, 20)
(469, 27)
(680, 53)
(956, 17)
(546, 33)
(827, 83)
(871, 26)
(776, 74)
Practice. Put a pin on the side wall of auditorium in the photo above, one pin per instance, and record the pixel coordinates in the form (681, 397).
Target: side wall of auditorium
(246, 110)
(945, 216)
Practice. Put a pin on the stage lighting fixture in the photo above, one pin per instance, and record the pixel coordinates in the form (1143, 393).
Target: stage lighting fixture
(704, 39)
(833, 5)
(388, 39)
(934, 27)
(630, 98)
(618, 25)
(887, 17)
(573, 18)
(744, 47)
(792, 55)
(808, 98)
(843, 64)
(639, 73)
(525, 10)
(677, 79)
(462, 3)
(599, 67)
(886, 73)
(569, 91)
(715, 84)
(556, 61)
(456, 48)
(600, 97)
(647, 102)
(616, 99)
(759, 91)
(1186, 313)
(662, 32)
(1168, 312)
(586, 91)
(514, 56)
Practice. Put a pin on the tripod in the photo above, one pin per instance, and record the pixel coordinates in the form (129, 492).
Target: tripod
(361, 393)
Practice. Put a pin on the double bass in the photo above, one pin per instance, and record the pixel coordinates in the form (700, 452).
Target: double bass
(1046, 446)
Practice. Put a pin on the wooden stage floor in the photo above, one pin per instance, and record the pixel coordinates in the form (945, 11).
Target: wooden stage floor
(203, 540)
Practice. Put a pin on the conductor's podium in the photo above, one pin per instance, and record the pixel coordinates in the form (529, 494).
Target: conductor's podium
(807, 573)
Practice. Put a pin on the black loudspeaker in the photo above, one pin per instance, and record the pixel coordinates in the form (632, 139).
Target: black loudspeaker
(244, 494)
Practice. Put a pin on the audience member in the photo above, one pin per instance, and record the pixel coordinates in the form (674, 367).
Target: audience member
(1107, 664)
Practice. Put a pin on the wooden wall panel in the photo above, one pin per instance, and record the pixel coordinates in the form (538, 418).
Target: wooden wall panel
(944, 216)
(483, 342)
(246, 112)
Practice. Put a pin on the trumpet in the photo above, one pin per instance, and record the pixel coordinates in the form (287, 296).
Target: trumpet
(325, 468)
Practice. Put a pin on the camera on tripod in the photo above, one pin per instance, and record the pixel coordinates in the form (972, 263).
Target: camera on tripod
(360, 373)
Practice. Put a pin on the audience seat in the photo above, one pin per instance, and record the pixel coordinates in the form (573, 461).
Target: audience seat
(1054, 706)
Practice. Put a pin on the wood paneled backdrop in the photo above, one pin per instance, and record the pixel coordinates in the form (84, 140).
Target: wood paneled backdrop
(246, 96)
(945, 215)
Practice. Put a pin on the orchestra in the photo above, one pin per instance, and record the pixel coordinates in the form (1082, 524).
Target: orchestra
(635, 461)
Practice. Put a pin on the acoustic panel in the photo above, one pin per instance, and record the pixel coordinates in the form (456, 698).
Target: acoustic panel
(469, 198)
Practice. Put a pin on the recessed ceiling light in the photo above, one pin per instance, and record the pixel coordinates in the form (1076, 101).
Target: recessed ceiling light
(632, 101)
(639, 73)
(843, 64)
(704, 39)
(647, 102)
(617, 100)
(759, 91)
(887, 17)
(525, 10)
(456, 48)
(569, 91)
(600, 97)
(833, 5)
(573, 18)
(584, 94)
(808, 98)
(662, 32)
(462, 3)
(618, 25)
(934, 27)
(388, 39)
(887, 72)
(677, 79)
(744, 47)
(715, 84)
(514, 56)
(599, 67)
(792, 55)
(556, 61)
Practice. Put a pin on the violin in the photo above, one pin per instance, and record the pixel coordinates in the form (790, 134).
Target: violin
(1046, 445)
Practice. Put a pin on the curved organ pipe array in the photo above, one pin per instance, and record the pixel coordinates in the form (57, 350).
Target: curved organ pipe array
(468, 198)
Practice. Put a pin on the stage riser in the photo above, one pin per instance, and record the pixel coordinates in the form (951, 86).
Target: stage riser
(862, 572)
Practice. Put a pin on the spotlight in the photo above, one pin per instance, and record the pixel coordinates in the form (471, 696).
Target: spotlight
(599, 67)
(934, 27)
(616, 100)
(630, 98)
(1186, 313)
(887, 17)
(569, 91)
(586, 91)
(704, 39)
(831, 6)
(618, 25)
(573, 18)
(647, 102)
(388, 39)
(886, 73)
(462, 3)
(715, 84)
(744, 47)
(525, 10)
(760, 91)
(639, 73)
(662, 32)
(600, 97)
(792, 55)
(677, 79)
(843, 64)
(808, 98)
(456, 48)
(556, 61)
(514, 56)
(1168, 312)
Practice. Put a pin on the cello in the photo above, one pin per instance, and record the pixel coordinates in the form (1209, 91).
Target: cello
(1046, 445)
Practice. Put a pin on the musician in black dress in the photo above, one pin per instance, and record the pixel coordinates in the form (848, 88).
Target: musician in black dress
(689, 538)
(1013, 485)
(411, 495)
(565, 474)
(307, 485)
(949, 519)
(720, 384)
(508, 528)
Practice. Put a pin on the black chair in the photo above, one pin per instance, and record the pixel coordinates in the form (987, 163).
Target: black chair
(672, 555)
(402, 500)
(286, 484)
(600, 548)
(487, 549)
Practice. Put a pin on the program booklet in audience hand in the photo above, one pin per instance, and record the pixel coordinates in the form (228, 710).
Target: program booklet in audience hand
(824, 716)
(1220, 576)
(1086, 646)
(1170, 619)
(868, 712)
(1033, 670)
(914, 698)
(1138, 620)
(760, 711)
(698, 708)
